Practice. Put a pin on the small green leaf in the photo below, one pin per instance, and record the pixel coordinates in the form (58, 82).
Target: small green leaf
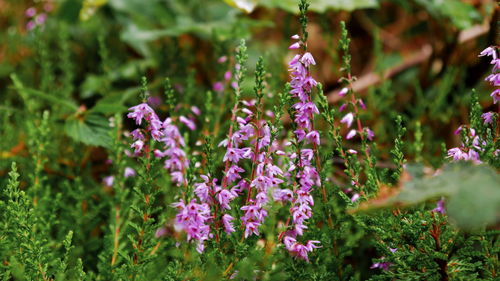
(92, 129)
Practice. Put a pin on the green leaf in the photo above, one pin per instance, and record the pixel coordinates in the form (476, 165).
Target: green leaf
(472, 191)
(92, 129)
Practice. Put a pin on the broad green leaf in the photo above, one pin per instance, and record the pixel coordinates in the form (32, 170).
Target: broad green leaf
(91, 128)
(472, 193)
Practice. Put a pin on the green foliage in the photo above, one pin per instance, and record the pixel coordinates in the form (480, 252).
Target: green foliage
(68, 210)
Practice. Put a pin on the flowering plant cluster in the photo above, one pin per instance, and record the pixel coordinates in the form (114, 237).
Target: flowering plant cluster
(221, 177)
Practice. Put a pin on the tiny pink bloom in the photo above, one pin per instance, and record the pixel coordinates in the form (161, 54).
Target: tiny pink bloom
(218, 87)
(160, 232)
(294, 46)
(370, 134)
(108, 181)
(228, 225)
(343, 92)
(352, 151)
(307, 59)
(227, 75)
(487, 117)
(362, 104)
(129, 172)
(295, 37)
(347, 119)
(189, 123)
(355, 197)
(40, 19)
(342, 107)
(195, 110)
(222, 59)
(30, 12)
(30, 25)
(351, 134)
(137, 146)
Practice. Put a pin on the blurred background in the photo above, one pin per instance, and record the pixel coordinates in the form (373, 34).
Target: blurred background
(417, 58)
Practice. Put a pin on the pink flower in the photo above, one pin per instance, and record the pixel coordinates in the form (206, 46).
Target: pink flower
(235, 154)
(129, 172)
(228, 225)
(218, 87)
(351, 134)
(224, 197)
(30, 12)
(488, 117)
(137, 146)
(294, 46)
(343, 92)
(195, 110)
(108, 181)
(189, 123)
(234, 173)
(307, 59)
(347, 119)
(140, 112)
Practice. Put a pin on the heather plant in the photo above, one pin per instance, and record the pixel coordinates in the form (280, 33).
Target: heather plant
(254, 171)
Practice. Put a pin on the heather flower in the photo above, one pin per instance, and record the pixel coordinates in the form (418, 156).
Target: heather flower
(108, 181)
(343, 92)
(129, 172)
(189, 123)
(355, 197)
(195, 110)
(137, 146)
(235, 154)
(193, 218)
(440, 207)
(140, 112)
(228, 225)
(488, 117)
(382, 265)
(234, 173)
(347, 119)
(30, 12)
(307, 59)
(369, 134)
(294, 46)
(351, 134)
(218, 87)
